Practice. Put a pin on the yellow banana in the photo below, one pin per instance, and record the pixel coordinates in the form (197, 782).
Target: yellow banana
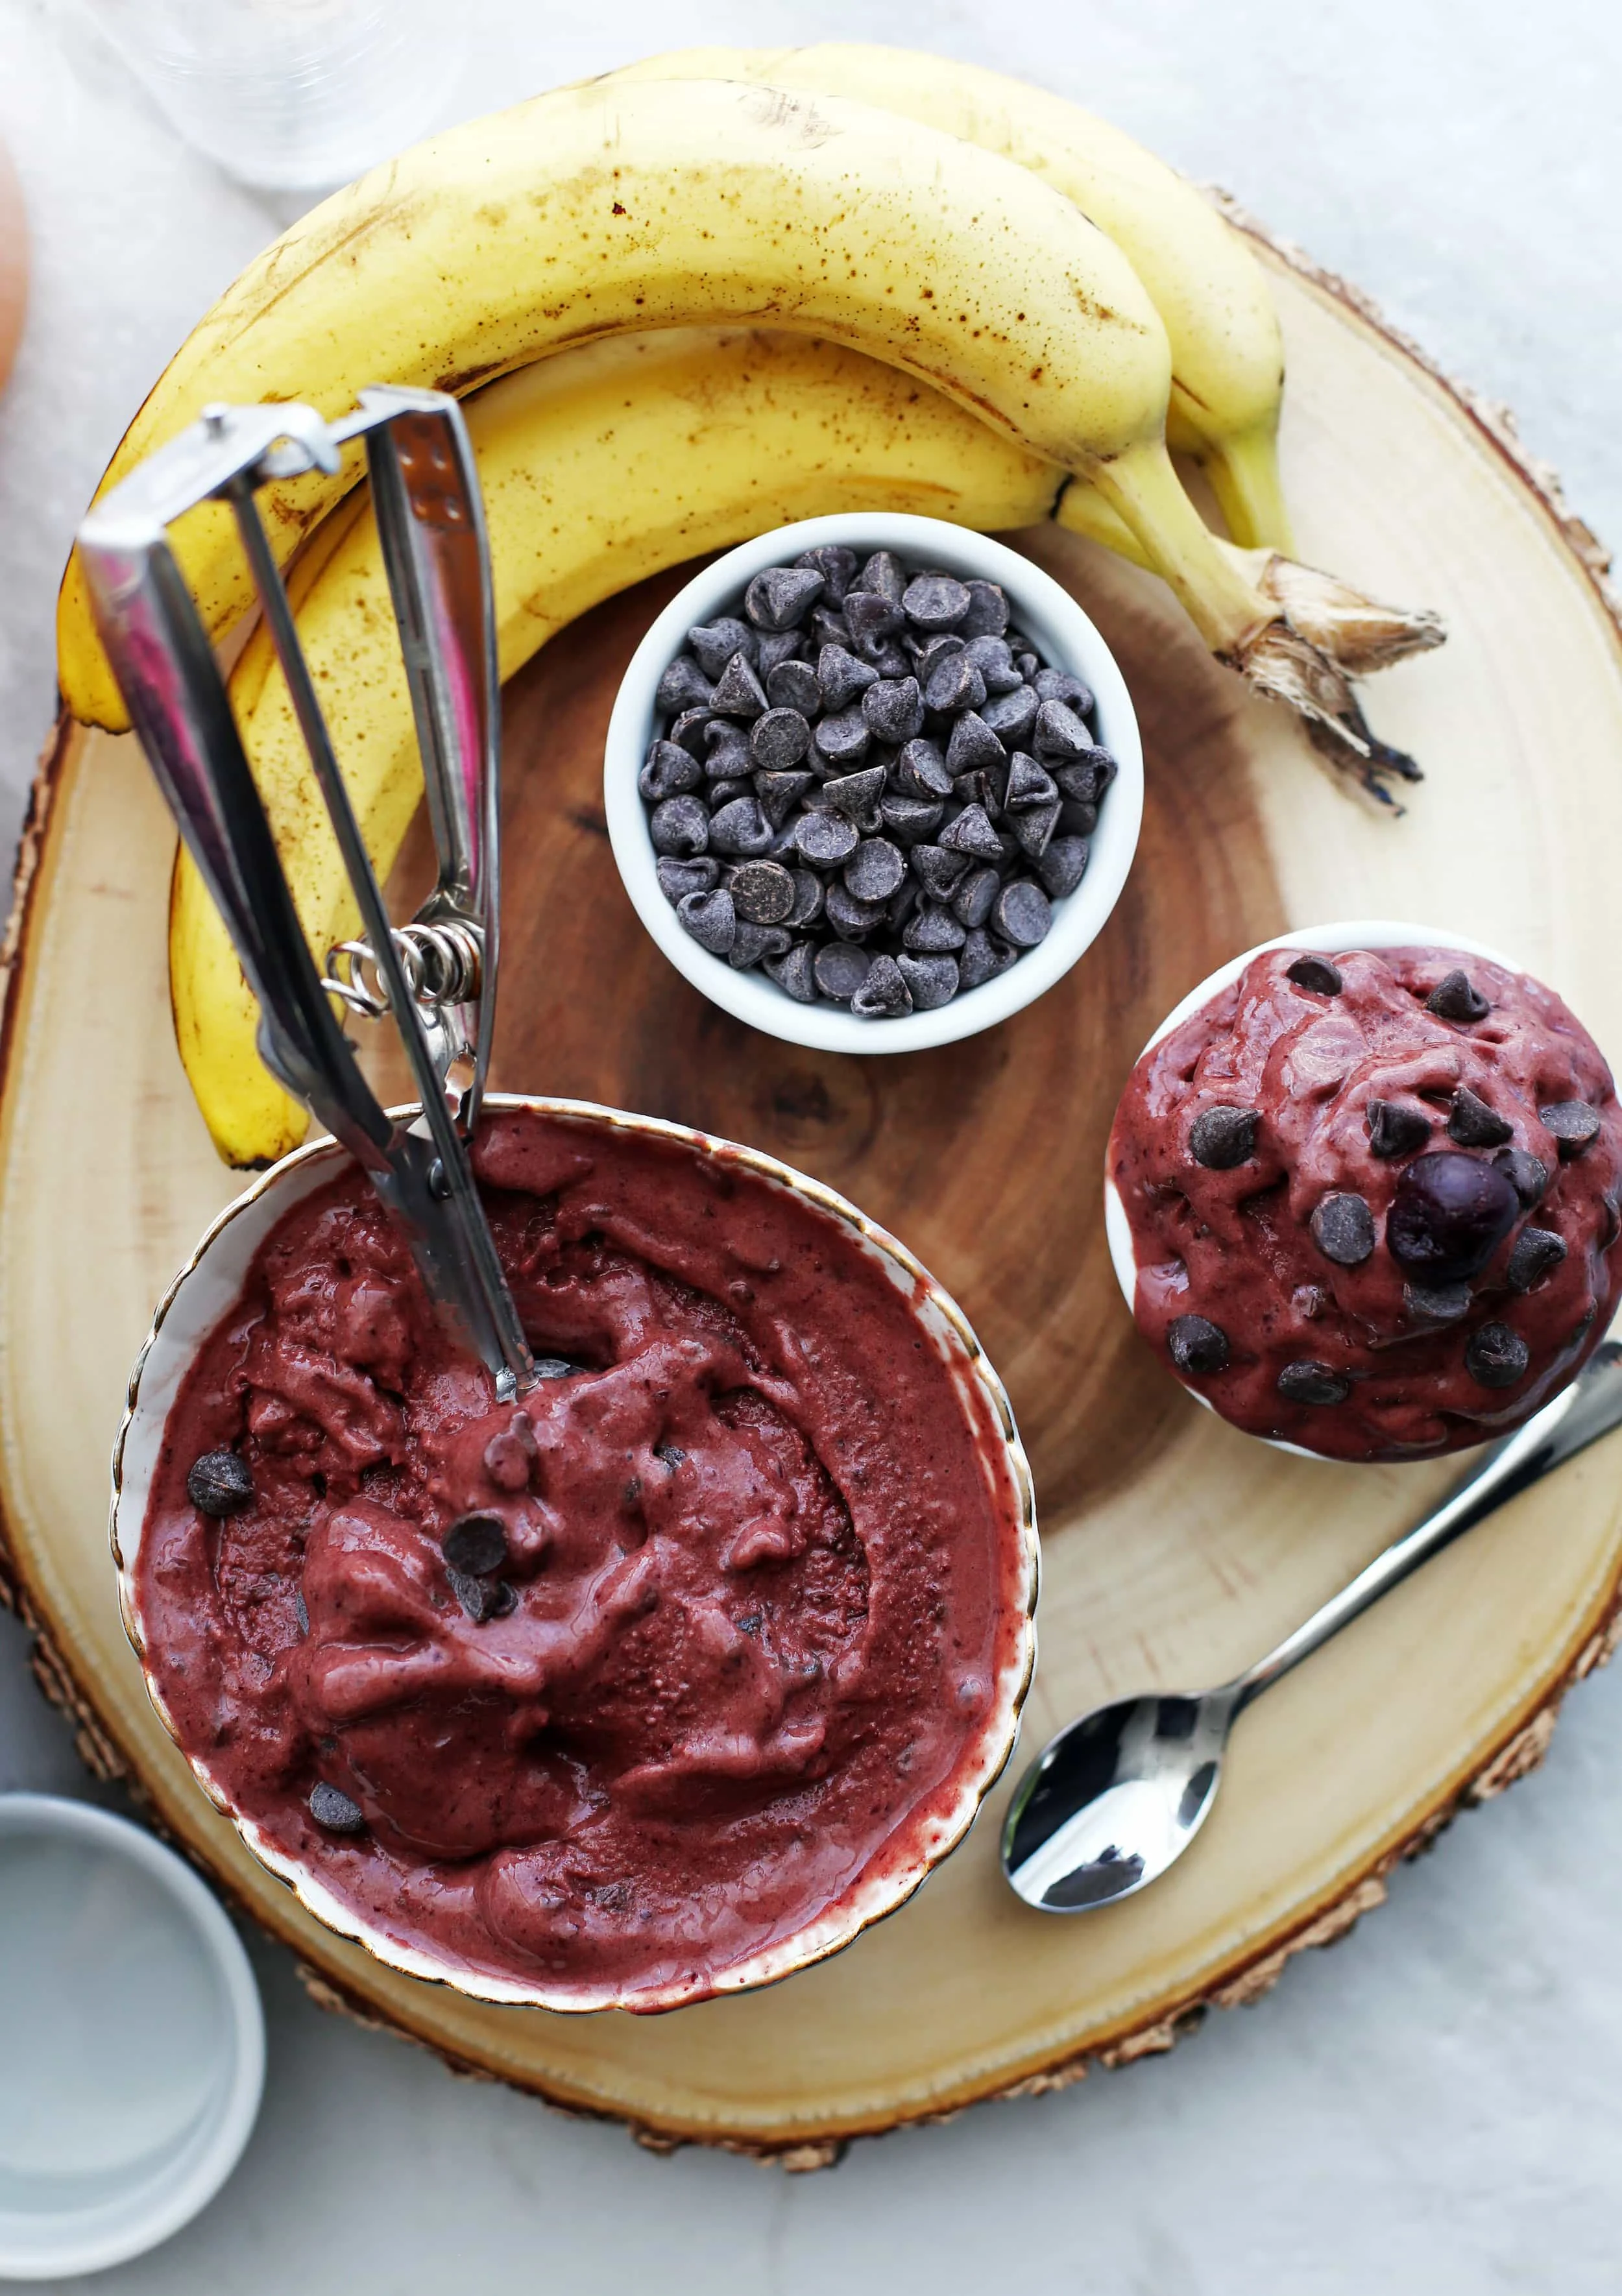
(1227, 354)
(602, 210)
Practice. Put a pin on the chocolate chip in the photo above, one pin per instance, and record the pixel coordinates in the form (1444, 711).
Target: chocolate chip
(840, 677)
(739, 692)
(1088, 778)
(835, 564)
(1223, 1138)
(1574, 1124)
(842, 737)
(1028, 783)
(982, 789)
(973, 746)
(874, 870)
(683, 686)
(841, 968)
(884, 994)
(910, 820)
(1537, 1253)
(740, 828)
(940, 873)
(1022, 913)
(1455, 998)
(775, 647)
(981, 959)
(1496, 1357)
(972, 833)
(726, 748)
(884, 575)
(1060, 733)
(1064, 685)
(931, 981)
(504, 1600)
(1316, 975)
(720, 793)
(1395, 1130)
(808, 898)
(1315, 1383)
(782, 596)
(851, 919)
(934, 602)
(1449, 1214)
(827, 627)
(954, 683)
(779, 740)
(711, 920)
(991, 658)
(780, 793)
(933, 931)
(715, 643)
(1437, 1303)
(825, 839)
(334, 1811)
(668, 771)
(794, 685)
(1011, 717)
(690, 728)
(1034, 828)
(1196, 1345)
(480, 1598)
(856, 794)
(762, 891)
(752, 942)
(987, 610)
(870, 618)
(920, 771)
(475, 1545)
(893, 707)
(1526, 1174)
(1063, 866)
(554, 1367)
(795, 973)
(1473, 1124)
(1343, 1229)
(679, 826)
(219, 1483)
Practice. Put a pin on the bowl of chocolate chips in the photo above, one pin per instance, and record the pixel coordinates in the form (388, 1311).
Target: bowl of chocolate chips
(1364, 1193)
(873, 783)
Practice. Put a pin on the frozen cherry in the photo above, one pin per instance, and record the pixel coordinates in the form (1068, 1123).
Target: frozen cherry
(1449, 1215)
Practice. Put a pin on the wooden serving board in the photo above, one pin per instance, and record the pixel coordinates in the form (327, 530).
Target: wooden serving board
(1176, 1549)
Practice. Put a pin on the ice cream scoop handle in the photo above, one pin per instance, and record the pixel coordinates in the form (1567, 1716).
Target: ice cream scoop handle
(1580, 1414)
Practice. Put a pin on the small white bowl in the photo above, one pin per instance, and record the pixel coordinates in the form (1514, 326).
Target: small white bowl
(1069, 640)
(204, 1292)
(1329, 940)
(132, 2043)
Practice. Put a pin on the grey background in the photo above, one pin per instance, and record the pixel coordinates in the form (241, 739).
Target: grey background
(1436, 2105)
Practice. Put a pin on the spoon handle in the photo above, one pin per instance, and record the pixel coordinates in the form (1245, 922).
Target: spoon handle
(1589, 1409)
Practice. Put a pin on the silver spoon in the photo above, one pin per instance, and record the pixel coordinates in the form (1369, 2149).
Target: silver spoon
(1116, 1797)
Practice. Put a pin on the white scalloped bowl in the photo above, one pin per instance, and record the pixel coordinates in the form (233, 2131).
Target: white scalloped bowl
(1068, 640)
(1329, 940)
(211, 1282)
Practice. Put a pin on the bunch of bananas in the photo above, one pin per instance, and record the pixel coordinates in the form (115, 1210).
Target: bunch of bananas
(724, 290)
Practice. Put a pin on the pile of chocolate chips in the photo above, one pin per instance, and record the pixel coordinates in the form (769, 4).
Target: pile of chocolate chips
(870, 785)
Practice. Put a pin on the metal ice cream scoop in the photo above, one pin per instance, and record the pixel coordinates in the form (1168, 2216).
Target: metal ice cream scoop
(435, 976)
(1116, 1797)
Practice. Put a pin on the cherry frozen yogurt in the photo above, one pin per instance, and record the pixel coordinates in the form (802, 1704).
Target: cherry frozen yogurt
(1373, 1199)
(604, 1693)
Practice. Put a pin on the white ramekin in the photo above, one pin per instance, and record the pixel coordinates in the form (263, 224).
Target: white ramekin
(85, 2211)
(1068, 640)
(1328, 940)
(213, 1279)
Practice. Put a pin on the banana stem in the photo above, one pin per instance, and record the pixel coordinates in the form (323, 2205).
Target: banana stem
(1227, 609)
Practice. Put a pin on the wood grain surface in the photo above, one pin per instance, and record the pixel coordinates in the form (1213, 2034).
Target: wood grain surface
(1175, 1549)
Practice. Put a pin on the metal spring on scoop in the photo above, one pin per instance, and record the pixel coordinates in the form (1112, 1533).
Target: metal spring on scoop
(443, 965)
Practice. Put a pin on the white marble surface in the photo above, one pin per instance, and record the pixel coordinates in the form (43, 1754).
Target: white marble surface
(1435, 2108)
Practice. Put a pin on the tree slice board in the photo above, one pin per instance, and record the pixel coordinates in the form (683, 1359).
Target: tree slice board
(1176, 1549)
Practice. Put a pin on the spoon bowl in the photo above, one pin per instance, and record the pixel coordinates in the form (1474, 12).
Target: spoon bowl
(1113, 1800)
